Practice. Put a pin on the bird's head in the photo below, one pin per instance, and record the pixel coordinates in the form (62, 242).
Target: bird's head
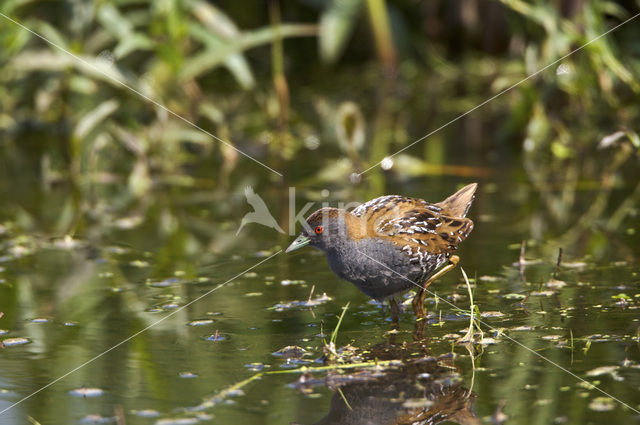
(324, 229)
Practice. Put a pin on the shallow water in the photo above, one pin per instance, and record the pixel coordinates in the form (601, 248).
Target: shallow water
(100, 319)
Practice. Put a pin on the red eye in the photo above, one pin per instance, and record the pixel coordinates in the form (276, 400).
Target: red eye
(318, 230)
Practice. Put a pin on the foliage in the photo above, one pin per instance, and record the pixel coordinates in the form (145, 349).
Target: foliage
(160, 94)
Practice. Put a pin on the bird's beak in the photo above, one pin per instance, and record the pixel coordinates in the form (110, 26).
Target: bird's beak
(300, 241)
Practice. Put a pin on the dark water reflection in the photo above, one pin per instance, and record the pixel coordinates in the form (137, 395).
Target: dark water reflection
(423, 390)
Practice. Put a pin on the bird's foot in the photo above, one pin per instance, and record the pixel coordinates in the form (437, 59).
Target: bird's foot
(418, 300)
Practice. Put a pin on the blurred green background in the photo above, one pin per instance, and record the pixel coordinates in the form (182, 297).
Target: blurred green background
(106, 196)
(317, 90)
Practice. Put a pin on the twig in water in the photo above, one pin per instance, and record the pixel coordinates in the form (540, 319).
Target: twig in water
(521, 260)
(119, 414)
(313, 287)
(235, 388)
(499, 417)
(555, 272)
(473, 368)
(344, 398)
(468, 337)
(571, 344)
(334, 334)
(331, 347)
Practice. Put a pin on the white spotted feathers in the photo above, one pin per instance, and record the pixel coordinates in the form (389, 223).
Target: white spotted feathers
(427, 233)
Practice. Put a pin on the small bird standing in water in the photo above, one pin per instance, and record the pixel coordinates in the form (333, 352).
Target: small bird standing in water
(391, 243)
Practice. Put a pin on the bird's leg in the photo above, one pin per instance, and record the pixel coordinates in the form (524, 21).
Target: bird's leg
(394, 310)
(418, 300)
(418, 306)
(418, 329)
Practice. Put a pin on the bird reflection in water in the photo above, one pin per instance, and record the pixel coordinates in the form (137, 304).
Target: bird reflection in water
(417, 391)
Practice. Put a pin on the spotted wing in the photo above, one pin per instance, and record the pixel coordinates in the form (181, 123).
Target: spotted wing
(419, 228)
(427, 237)
(426, 228)
(411, 221)
(383, 203)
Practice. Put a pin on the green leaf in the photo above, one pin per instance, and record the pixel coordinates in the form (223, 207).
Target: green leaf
(139, 180)
(214, 19)
(47, 60)
(49, 32)
(8, 6)
(634, 138)
(94, 117)
(218, 50)
(336, 25)
(120, 27)
(113, 21)
(185, 133)
(131, 44)
(237, 64)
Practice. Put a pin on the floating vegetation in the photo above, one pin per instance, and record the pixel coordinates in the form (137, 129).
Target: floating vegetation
(291, 352)
(146, 413)
(490, 314)
(486, 278)
(177, 421)
(375, 386)
(288, 282)
(551, 337)
(165, 283)
(575, 264)
(201, 322)
(216, 337)
(513, 296)
(314, 302)
(523, 328)
(622, 300)
(612, 371)
(97, 419)
(86, 392)
(256, 367)
(12, 342)
(602, 404)
(366, 366)
(128, 223)
(68, 243)
(542, 293)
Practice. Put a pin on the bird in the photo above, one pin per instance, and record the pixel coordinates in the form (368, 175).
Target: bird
(260, 213)
(392, 243)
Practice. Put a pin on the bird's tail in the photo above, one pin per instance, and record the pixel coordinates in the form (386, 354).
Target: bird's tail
(458, 204)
